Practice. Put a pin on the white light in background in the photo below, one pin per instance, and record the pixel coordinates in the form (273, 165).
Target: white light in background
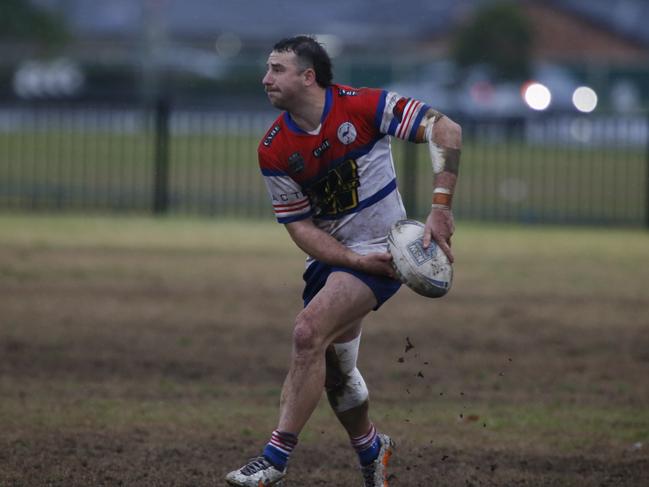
(537, 96)
(585, 99)
(56, 78)
(228, 45)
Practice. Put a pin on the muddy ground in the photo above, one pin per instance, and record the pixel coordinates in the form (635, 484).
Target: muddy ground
(162, 367)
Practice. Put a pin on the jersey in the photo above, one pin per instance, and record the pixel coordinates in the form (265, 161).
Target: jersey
(341, 175)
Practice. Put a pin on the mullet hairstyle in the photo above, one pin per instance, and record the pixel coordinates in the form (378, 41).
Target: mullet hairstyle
(310, 54)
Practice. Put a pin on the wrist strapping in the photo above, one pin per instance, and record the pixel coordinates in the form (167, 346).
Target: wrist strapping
(442, 198)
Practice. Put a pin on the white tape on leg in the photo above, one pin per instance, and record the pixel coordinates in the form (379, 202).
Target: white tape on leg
(350, 390)
(347, 354)
(354, 393)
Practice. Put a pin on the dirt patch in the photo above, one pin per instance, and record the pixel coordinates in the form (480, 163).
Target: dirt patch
(122, 367)
(192, 458)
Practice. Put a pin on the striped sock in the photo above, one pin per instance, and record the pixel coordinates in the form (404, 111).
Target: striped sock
(279, 448)
(367, 446)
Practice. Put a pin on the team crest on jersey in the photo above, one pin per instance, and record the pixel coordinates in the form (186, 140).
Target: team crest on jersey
(346, 133)
(295, 162)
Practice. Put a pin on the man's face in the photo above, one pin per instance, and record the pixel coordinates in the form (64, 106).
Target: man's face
(284, 80)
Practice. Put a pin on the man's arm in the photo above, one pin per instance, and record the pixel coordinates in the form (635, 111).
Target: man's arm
(325, 248)
(444, 138)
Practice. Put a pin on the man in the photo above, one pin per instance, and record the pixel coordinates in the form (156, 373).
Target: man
(327, 163)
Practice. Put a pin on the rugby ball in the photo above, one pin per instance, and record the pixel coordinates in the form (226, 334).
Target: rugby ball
(427, 272)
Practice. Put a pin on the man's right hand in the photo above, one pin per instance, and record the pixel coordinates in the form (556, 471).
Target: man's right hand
(379, 263)
(325, 248)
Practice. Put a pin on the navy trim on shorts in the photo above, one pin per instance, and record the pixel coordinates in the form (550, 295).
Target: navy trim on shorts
(317, 273)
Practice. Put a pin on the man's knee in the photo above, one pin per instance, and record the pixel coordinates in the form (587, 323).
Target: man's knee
(349, 394)
(306, 336)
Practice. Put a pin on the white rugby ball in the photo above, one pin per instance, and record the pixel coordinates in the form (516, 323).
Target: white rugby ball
(427, 272)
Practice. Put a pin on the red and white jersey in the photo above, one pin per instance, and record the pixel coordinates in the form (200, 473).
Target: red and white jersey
(341, 175)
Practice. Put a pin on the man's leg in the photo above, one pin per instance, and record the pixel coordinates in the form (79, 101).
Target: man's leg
(340, 304)
(349, 397)
(342, 301)
(349, 402)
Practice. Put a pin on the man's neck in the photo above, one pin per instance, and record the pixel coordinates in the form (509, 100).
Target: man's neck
(309, 113)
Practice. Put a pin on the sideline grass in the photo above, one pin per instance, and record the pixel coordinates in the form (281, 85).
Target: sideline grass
(142, 232)
(513, 255)
(219, 233)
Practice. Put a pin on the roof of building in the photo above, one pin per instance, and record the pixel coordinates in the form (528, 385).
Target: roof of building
(627, 18)
(354, 21)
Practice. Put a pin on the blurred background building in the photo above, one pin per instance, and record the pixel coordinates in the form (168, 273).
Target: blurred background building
(214, 50)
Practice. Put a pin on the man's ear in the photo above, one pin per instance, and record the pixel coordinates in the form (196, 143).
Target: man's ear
(309, 77)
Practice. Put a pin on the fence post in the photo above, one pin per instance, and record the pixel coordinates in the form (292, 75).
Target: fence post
(647, 173)
(409, 183)
(161, 157)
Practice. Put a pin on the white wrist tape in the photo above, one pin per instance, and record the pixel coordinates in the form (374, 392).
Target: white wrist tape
(438, 206)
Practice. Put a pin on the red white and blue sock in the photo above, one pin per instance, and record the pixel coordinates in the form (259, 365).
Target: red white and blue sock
(367, 446)
(279, 448)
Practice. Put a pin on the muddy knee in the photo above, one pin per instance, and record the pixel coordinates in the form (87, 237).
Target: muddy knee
(344, 383)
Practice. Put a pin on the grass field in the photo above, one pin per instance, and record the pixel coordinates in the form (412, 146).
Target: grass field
(151, 352)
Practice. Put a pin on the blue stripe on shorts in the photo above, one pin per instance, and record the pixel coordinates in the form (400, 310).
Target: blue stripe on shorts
(317, 273)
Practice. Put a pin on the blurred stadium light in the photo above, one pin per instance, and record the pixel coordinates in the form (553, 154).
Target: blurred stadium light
(474, 92)
(585, 99)
(537, 95)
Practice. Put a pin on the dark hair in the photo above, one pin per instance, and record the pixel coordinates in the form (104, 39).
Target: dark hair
(310, 54)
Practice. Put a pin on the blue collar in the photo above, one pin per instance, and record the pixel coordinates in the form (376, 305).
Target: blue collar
(327, 108)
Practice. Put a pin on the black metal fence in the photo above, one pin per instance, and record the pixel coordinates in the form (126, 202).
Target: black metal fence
(578, 169)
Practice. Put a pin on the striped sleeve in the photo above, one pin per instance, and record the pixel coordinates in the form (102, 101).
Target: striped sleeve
(401, 116)
(289, 202)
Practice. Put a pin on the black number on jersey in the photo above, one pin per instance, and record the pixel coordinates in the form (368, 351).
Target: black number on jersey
(337, 191)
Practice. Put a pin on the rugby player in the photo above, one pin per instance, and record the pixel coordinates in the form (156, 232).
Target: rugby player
(327, 164)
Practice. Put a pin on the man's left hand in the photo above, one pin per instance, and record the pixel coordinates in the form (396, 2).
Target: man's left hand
(439, 228)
